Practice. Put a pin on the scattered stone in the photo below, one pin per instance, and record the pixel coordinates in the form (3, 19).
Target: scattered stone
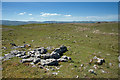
(27, 45)
(4, 48)
(77, 76)
(57, 68)
(97, 60)
(82, 65)
(47, 69)
(13, 44)
(32, 40)
(95, 66)
(95, 57)
(100, 61)
(55, 73)
(91, 71)
(40, 66)
(103, 71)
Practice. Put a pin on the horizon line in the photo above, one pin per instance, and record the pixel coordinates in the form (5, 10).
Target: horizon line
(63, 20)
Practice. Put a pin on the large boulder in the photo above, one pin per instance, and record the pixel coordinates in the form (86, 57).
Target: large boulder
(36, 60)
(61, 50)
(41, 50)
(55, 55)
(49, 62)
(46, 56)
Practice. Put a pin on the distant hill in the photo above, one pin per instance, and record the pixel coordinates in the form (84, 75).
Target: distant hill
(10, 23)
(7, 22)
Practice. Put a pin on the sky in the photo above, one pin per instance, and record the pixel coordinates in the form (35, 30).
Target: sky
(60, 0)
(60, 11)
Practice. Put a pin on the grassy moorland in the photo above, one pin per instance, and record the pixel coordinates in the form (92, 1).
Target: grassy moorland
(84, 41)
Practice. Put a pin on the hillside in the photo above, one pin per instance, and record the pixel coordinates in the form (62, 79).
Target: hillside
(83, 40)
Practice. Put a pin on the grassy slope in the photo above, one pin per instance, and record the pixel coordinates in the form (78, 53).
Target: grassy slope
(81, 48)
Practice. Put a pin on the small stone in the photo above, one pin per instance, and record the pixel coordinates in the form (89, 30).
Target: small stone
(103, 71)
(77, 76)
(95, 66)
(41, 67)
(55, 73)
(82, 65)
(91, 71)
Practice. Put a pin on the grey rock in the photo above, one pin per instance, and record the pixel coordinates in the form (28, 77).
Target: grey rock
(27, 45)
(27, 60)
(65, 57)
(55, 73)
(18, 55)
(62, 60)
(31, 52)
(91, 71)
(15, 52)
(8, 56)
(4, 48)
(42, 50)
(61, 50)
(49, 62)
(40, 66)
(100, 61)
(36, 60)
(46, 56)
(55, 55)
(25, 56)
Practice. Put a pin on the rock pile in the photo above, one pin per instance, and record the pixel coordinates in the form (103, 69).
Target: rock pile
(97, 60)
(40, 56)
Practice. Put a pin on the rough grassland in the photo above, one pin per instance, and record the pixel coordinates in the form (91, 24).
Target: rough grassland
(84, 41)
